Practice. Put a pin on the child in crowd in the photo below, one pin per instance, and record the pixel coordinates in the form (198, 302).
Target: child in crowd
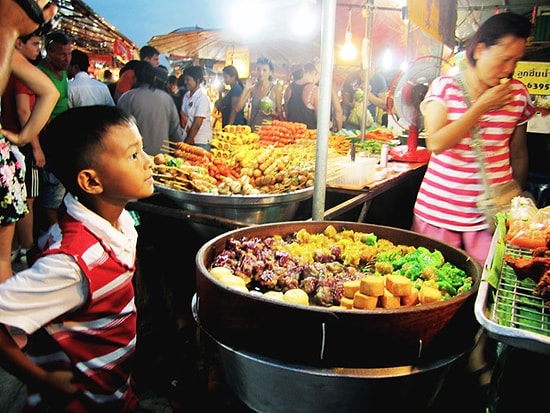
(76, 302)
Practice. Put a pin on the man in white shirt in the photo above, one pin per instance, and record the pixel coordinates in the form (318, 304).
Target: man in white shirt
(84, 90)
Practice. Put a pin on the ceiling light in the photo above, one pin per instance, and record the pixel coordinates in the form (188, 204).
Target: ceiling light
(348, 51)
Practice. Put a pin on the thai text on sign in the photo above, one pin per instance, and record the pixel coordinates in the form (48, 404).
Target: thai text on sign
(535, 75)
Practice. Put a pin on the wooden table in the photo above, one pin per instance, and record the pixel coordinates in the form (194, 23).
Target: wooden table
(399, 172)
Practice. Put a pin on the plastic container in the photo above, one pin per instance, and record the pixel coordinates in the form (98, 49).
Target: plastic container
(353, 174)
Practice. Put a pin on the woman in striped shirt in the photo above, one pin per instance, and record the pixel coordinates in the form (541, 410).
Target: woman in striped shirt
(445, 207)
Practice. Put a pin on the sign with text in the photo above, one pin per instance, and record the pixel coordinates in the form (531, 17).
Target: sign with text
(535, 75)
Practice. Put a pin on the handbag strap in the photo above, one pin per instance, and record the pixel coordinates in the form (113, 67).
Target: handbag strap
(476, 141)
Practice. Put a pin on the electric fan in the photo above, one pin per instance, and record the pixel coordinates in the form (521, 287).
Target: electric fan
(406, 92)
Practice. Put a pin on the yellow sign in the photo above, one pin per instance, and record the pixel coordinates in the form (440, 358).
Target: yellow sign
(535, 75)
(240, 58)
(436, 17)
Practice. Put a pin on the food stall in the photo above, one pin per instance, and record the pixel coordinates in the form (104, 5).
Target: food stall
(106, 47)
(253, 364)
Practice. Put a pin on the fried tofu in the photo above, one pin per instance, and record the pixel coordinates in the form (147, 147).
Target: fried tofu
(410, 300)
(351, 287)
(398, 285)
(364, 302)
(388, 300)
(372, 285)
(346, 302)
(429, 294)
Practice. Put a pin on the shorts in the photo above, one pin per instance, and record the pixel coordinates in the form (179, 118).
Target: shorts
(13, 199)
(52, 190)
(32, 174)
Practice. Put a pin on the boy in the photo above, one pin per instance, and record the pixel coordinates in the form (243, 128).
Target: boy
(77, 301)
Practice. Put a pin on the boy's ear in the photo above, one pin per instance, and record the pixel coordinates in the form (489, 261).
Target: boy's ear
(89, 182)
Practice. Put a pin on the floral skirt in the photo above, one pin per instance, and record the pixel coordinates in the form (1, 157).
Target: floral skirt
(13, 193)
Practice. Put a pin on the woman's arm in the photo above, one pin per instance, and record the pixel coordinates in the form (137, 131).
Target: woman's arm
(195, 126)
(46, 98)
(14, 22)
(443, 135)
(247, 92)
(519, 155)
(234, 111)
(338, 111)
(278, 94)
(23, 105)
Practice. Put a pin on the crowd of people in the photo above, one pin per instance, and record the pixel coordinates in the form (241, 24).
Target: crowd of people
(68, 321)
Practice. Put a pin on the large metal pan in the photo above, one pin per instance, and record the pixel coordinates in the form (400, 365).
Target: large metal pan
(246, 209)
(319, 336)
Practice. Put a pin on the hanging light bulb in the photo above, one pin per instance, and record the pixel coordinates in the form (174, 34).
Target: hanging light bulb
(348, 51)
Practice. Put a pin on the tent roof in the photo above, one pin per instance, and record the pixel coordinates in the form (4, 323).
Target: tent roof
(89, 30)
(389, 30)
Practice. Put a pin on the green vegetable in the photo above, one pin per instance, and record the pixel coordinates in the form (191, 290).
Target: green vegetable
(370, 239)
(175, 162)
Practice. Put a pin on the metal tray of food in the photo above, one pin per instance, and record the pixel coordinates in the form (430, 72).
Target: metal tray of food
(510, 313)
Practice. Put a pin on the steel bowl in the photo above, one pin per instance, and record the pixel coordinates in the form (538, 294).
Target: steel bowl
(319, 336)
(267, 385)
(245, 209)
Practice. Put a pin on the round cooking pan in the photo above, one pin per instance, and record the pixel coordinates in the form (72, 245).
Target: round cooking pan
(320, 336)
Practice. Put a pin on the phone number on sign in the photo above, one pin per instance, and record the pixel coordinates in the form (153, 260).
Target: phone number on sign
(538, 86)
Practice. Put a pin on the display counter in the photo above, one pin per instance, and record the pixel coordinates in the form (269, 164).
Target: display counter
(396, 192)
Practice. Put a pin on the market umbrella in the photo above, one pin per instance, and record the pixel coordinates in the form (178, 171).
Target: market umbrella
(196, 42)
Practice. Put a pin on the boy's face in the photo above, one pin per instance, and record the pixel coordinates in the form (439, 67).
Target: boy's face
(124, 168)
(154, 60)
(31, 48)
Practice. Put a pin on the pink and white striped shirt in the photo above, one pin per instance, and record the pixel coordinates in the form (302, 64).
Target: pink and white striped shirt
(452, 183)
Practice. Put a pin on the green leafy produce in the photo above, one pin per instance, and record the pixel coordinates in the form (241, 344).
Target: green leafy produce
(422, 265)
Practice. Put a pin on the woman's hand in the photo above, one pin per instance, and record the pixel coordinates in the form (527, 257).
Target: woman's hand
(250, 83)
(497, 97)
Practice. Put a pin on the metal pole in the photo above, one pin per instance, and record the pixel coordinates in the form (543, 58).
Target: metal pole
(366, 60)
(328, 24)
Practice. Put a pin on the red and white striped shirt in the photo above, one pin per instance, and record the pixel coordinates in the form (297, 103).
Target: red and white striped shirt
(96, 341)
(452, 183)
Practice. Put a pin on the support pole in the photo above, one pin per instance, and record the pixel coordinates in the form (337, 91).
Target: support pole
(366, 61)
(328, 23)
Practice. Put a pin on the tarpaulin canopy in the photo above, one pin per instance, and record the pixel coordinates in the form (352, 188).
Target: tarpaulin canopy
(214, 44)
(282, 47)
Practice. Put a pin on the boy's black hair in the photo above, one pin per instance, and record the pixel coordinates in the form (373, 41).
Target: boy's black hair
(72, 140)
(148, 51)
(25, 38)
(80, 59)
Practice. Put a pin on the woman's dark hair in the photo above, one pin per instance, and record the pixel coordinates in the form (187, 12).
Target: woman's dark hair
(73, 139)
(128, 66)
(160, 79)
(232, 71)
(195, 72)
(495, 28)
(144, 73)
(265, 61)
